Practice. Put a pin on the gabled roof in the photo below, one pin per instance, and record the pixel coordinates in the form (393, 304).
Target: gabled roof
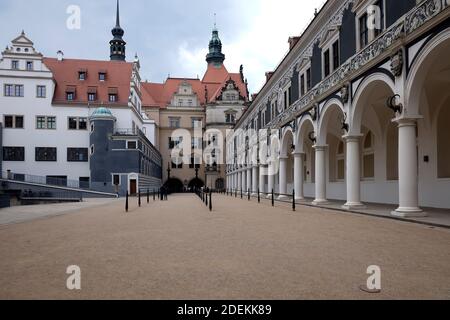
(66, 73)
(160, 94)
(22, 40)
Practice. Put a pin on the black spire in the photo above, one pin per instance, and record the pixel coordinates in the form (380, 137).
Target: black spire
(117, 44)
(215, 54)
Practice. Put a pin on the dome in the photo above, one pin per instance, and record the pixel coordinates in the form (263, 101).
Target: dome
(103, 113)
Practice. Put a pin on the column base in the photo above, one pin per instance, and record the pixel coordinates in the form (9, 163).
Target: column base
(300, 199)
(409, 213)
(320, 202)
(283, 198)
(269, 196)
(354, 206)
(254, 194)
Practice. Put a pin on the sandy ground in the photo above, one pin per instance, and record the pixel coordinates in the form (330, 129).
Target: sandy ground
(179, 250)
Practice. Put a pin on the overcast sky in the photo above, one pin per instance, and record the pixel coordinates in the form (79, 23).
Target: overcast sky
(170, 36)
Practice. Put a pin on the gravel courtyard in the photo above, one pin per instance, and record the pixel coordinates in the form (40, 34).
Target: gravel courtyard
(242, 250)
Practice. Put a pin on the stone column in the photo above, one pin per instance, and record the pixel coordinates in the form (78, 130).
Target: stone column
(408, 170)
(353, 173)
(244, 180)
(282, 175)
(262, 179)
(255, 174)
(298, 175)
(239, 182)
(321, 183)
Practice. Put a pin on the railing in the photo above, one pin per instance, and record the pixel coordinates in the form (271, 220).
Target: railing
(126, 132)
(272, 196)
(30, 195)
(49, 181)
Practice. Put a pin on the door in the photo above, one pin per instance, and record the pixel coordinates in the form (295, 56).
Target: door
(133, 186)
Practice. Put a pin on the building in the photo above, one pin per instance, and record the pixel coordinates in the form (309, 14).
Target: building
(357, 111)
(76, 123)
(204, 109)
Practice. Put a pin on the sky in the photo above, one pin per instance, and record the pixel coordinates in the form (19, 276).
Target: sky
(170, 36)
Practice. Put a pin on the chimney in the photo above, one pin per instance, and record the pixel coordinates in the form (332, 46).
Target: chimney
(292, 42)
(269, 75)
(60, 55)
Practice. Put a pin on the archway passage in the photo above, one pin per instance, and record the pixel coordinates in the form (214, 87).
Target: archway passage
(195, 183)
(174, 185)
(220, 184)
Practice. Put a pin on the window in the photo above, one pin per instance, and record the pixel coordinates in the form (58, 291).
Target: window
(112, 97)
(43, 122)
(101, 76)
(8, 92)
(41, 91)
(131, 145)
(70, 96)
(302, 85)
(174, 122)
(29, 65)
(369, 157)
(336, 56)
(363, 31)
(16, 90)
(92, 97)
(13, 153)
(177, 163)
(15, 65)
(76, 123)
(77, 154)
(45, 154)
(308, 79)
(230, 118)
(326, 63)
(196, 143)
(82, 75)
(92, 149)
(14, 122)
(195, 163)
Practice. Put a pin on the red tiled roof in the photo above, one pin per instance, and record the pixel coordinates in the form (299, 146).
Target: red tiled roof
(65, 73)
(160, 94)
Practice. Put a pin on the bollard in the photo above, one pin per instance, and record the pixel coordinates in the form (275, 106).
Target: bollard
(293, 200)
(148, 196)
(210, 201)
(126, 203)
(206, 202)
(154, 195)
(242, 195)
(273, 199)
(139, 198)
(259, 197)
(248, 194)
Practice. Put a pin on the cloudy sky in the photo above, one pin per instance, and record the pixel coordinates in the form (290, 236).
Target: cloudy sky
(170, 36)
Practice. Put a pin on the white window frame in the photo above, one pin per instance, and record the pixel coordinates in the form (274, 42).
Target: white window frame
(328, 45)
(359, 11)
(303, 71)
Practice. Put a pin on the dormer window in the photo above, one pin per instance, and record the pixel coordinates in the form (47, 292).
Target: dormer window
(92, 94)
(29, 65)
(70, 93)
(82, 75)
(15, 65)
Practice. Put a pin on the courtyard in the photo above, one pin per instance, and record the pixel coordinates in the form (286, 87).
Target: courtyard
(177, 249)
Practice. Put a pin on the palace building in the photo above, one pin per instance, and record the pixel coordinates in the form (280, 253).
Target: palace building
(356, 111)
(76, 123)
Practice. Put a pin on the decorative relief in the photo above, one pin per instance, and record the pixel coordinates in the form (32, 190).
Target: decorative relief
(397, 63)
(345, 93)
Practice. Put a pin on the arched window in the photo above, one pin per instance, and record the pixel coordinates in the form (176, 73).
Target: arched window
(368, 166)
(340, 162)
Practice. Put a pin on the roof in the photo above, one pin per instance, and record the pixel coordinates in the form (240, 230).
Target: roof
(102, 113)
(66, 73)
(160, 94)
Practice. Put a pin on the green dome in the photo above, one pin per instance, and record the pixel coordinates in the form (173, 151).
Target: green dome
(102, 112)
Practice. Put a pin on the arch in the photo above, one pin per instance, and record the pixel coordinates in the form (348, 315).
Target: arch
(302, 133)
(174, 185)
(420, 67)
(326, 111)
(365, 88)
(288, 137)
(196, 183)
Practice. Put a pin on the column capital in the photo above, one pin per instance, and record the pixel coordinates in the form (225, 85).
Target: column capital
(407, 121)
(320, 148)
(352, 137)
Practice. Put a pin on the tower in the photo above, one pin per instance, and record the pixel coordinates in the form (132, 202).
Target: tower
(215, 54)
(117, 44)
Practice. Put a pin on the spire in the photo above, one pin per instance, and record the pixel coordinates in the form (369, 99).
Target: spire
(117, 44)
(118, 15)
(215, 54)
